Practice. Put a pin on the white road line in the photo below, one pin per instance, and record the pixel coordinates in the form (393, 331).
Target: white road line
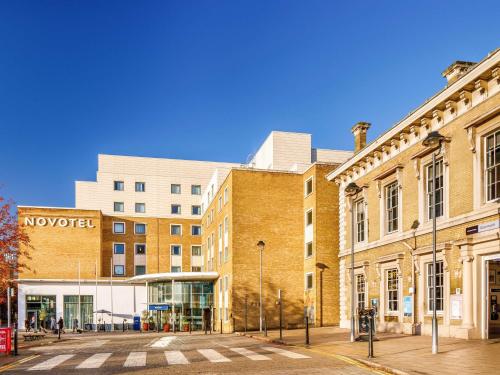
(175, 357)
(249, 354)
(51, 363)
(163, 342)
(213, 356)
(285, 353)
(94, 361)
(135, 359)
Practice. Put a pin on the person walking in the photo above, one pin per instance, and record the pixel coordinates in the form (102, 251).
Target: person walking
(33, 323)
(75, 325)
(26, 325)
(60, 325)
(53, 324)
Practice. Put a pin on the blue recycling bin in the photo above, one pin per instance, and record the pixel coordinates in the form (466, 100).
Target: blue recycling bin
(137, 323)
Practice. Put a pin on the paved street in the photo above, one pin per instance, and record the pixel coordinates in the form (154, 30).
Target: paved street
(195, 354)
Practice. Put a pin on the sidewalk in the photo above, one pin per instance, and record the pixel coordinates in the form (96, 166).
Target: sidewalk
(400, 353)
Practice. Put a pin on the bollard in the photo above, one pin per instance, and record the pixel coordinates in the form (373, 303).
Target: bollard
(190, 322)
(370, 337)
(265, 326)
(281, 317)
(221, 326)
(15, 338)
(234, 325)
(307, 330)
(246, 314)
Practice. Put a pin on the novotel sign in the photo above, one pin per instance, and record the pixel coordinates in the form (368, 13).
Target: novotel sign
(58, 222)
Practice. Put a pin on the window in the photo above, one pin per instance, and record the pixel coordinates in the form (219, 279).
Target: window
(195, 269)
(361, 291)
(119, 248)
(119, 185)
(140, 228)
(175, 229)
(196, 251)
(309, 281)
(140, 208)
(175, 269)
(226, 297)
(309, 249)
(175, 249)
(140, 187)
(492, 164)
(175, 209)
(175, 189)
(226, 195)
(195, 189)
(309, 217)
(359, 209)
(219, 207)
(195, 210)
(118, 206)
(438, 181)
(391, 207)
(140, 270)
(439, 286)
(220, 243)
(196, 230)
(392, 288)
(226, 252)
(308, 187)
(140, 249)
(119, 228)
(119, 270)
(226, 225)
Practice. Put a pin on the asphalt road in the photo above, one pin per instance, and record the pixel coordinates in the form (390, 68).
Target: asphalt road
(181, 354)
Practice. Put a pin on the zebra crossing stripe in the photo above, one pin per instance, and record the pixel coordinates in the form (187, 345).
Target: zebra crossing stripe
(285, 353)
(213, 356)
(135, 359)
(249, 354)
(175, 357)
(163, 342)
(49, 364)
(94, 361)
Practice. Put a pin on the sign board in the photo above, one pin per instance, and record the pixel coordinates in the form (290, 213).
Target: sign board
(5, 340)
(158, 307)
(482, 227)
(63, 222)
(456, 306)
(408, 305)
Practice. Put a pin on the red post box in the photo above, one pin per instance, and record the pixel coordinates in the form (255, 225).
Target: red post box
(5, 340)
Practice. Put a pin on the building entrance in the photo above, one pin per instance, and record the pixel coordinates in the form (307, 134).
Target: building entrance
(493, 299)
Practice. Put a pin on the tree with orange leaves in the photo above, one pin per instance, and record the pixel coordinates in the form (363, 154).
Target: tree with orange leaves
(14, 243)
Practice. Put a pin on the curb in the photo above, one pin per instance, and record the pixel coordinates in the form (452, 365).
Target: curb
(262, 338)
(378, 366)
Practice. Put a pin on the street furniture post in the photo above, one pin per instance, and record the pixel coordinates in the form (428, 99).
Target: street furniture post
(307, 330)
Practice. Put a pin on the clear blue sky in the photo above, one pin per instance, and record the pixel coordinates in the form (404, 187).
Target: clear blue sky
(209, 79)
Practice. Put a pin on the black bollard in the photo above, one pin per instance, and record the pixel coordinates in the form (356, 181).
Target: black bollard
(307, 330)
(265, 326)
(221, 326)
(15, 338)
(370, 336)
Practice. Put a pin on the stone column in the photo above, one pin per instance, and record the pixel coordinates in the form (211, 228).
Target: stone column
(468, 302)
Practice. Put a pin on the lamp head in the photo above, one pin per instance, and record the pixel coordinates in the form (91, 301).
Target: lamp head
(352, 189)
(261, 244)
(433, 139)
(415, 224)
(321, 266)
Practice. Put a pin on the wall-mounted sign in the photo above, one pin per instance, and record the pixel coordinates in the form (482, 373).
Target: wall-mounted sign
(408, 305)
(456, 306)
(482, 227)
(41, 221)
(158, 307)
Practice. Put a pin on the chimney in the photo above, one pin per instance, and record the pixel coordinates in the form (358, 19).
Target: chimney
(359, 130)
(457, 70)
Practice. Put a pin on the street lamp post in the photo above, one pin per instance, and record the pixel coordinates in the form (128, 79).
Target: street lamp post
(261, 245)
(433, 140)
(321, 267)
(352, 190)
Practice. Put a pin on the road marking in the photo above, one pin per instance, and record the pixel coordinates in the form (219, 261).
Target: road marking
(213, 356)
(151, 342)
(52, 362)
(163, 342)
(175, 357)
(94, 361)
(285, 353)
(135, 359)
(14, 364)
(249, 354)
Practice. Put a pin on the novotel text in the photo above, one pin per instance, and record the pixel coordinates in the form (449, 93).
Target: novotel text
(58, 222)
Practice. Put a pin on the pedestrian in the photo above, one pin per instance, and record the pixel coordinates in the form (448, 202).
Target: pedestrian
(75, 325)
(60, 326)
(53, 324)
(26, 325)
(33, 323)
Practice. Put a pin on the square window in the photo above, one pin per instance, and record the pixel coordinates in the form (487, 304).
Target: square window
(175, 209)
(140, 208)
(195, 269)
(309, 217)
(309, 281)
(140, 270)
(140, 249)
(196, 230)
(195, 189)
(309, 249)
(119, 248)
(196, 251)
(309, 187)
(118, 206)
(195, 210)
(119, 228)
(140, 228)
(119, 270)
(175, 249)
(119, 185)
(175, 188)
(175, 269)
(175, 229)
(140, 187)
